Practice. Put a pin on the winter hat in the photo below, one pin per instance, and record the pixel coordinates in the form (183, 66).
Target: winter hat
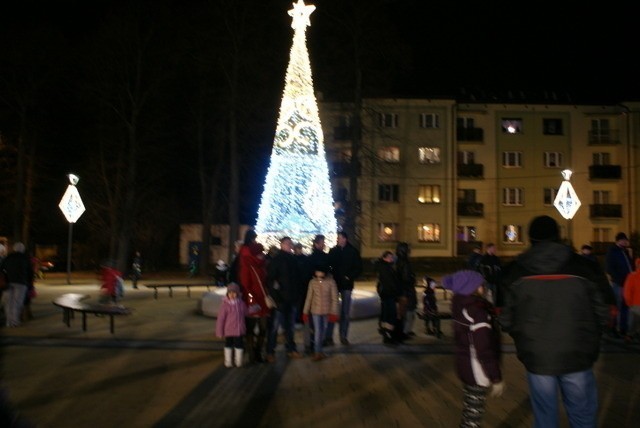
(544, 228)
(232, 286)
(464, 282)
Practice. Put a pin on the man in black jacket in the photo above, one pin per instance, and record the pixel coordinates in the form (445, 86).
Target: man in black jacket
(346, 266)
(555, 313)
(283, 282)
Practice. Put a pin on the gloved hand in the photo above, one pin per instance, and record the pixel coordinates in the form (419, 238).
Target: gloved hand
(305, 318)
(497, 389)
(332, 318)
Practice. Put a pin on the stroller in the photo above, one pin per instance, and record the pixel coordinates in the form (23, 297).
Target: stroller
(430, 313)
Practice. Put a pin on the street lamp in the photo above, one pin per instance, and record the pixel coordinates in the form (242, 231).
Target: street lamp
(72, 207)
(567, 201)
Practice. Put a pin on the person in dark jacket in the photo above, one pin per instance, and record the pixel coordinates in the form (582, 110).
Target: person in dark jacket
(408, 299)
(489, 266)
(388, 291)
(618, 265)
(17, 268)
(477, 344)
(554, 311)
(346, 266)
(284, 286)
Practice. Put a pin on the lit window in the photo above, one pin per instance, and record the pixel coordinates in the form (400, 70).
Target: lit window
(512, 126)
(549, 195)
(512, 234)
(513, 196)
(387, 232)
(429, 232)
(429, 120)
(552, 126)
(467, 233)
(512, 159)
(553, 159)
(388, 120)
(429, 155)
(389, 154)
(388, 192)
(429, 194)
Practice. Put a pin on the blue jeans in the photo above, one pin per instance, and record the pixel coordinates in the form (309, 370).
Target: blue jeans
(284, 316)
(622, 320)
(345, 310)
(320, 325)
(579, 395)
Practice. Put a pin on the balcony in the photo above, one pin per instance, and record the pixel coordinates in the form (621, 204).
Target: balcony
(470, 134)
(605, 137)
(605, 211)
(470, 209)
(605, 172)
(470, 170)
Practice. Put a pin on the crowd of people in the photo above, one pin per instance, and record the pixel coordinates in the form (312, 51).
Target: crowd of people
(283, 287)
(554, 302)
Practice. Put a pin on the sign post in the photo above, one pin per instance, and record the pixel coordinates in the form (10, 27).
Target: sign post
(567, 201)
(72, 207)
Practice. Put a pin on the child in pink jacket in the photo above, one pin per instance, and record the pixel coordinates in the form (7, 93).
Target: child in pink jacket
(230, 325)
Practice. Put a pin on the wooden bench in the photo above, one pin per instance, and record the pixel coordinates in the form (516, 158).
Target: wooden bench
(172, 286)
(74, 302)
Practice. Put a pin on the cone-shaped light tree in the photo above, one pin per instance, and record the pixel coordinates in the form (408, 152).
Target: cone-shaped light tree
(297, 199)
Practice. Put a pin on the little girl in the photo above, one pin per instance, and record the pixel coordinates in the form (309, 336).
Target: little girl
(230, 325)
(477, 344)
(322, 304)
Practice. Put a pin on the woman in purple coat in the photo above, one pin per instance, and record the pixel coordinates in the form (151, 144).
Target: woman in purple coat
(230, 325)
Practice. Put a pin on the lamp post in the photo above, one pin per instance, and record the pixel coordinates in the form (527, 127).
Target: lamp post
(72, 207)
(567, 201)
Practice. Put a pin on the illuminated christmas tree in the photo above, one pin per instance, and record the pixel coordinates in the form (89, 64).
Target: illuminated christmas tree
(297, 199)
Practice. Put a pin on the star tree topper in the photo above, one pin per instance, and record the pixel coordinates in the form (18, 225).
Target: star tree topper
(300, 14)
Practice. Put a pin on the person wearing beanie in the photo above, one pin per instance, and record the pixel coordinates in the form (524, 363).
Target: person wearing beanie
(230, 325)
(555, 312)
(619, 264)
(477, 343)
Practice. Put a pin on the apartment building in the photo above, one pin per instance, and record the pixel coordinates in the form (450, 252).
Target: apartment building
(445, 175)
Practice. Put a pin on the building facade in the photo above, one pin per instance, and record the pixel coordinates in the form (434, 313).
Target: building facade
(445, 175)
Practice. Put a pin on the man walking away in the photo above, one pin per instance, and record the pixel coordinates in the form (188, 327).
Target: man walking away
(554, 311)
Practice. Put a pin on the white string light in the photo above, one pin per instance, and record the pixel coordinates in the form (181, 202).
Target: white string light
(297, 200)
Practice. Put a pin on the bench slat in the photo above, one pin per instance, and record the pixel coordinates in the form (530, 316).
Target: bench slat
(73, 302)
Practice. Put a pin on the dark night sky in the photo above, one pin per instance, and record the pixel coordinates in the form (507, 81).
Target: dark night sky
(587, 49)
